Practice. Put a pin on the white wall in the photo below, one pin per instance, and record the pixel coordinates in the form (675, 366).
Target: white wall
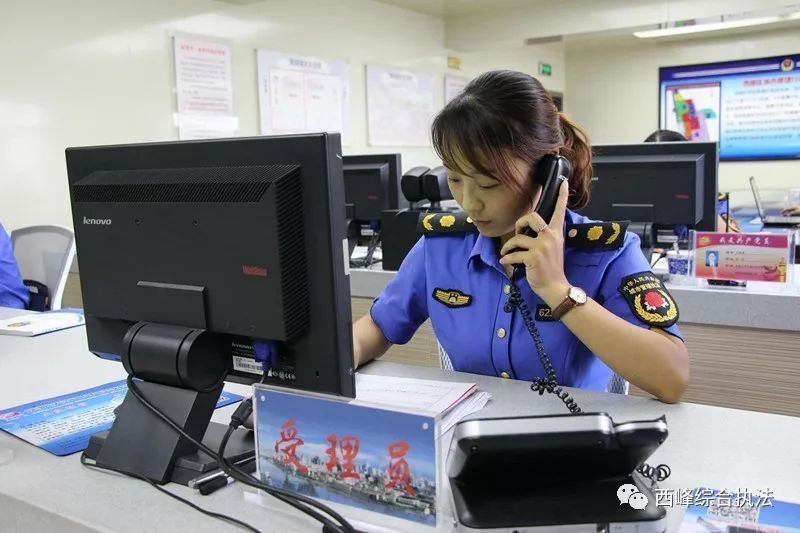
(613, 91)
(88, 72)
(524, 58)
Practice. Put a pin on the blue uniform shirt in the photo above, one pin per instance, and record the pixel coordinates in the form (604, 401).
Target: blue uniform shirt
(477, 333)
(12, 292)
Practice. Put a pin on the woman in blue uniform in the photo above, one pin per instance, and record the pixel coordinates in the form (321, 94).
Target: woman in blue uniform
(593, 302)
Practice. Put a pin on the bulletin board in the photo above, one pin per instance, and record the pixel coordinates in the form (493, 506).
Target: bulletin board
(399, 107)
(302, 94)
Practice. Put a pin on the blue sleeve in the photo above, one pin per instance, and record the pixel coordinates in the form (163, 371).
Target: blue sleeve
(12, 292)
(631, 291)
(403, 305)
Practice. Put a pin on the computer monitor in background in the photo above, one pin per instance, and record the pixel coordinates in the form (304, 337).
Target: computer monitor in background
(663, 184)
(198, 259)
(372, 184)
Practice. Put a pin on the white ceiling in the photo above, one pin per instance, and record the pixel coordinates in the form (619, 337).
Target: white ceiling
(454, 8)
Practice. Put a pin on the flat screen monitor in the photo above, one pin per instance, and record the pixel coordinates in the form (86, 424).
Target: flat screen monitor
(664, 190)
(210, 260)
(667, 184)
(372, 185)
(241, 238)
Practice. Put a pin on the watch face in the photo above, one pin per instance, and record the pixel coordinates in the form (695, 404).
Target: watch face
(577, 295)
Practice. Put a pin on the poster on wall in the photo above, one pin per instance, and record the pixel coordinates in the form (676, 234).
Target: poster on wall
(751, 107)
(399, 107)
(301, 94)
(453, 86)
(204, 88)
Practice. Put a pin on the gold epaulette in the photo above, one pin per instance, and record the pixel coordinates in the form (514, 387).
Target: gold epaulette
(443, 223)
(597, 235)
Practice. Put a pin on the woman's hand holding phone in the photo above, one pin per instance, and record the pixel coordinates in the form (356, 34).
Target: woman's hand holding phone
(542, 256)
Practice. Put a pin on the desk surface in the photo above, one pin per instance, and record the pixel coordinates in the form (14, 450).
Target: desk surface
(707, 446)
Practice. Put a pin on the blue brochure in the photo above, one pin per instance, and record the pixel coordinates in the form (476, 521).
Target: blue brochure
(64, 424)
(739, 511)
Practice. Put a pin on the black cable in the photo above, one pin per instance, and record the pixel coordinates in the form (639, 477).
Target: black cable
(727, 211)
(237, 474)
(256, 484)
(550, 382)
(658, 473)
(219, 516)
(373, 245)
(291, 499)
(661, 255)
(368, 261)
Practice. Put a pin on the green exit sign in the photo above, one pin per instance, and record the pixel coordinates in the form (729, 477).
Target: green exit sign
(545, 69)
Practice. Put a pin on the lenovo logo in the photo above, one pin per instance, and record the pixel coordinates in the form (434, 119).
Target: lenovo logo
(250, 270)
(97, 221)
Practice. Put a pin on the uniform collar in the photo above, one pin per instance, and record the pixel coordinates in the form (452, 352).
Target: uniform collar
(485, 247)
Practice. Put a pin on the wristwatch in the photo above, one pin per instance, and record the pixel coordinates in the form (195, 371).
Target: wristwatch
(575, 297)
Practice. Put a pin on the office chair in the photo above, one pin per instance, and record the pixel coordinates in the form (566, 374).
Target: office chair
(44, 255)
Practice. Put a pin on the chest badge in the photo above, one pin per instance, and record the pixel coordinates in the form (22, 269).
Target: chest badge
(452, 297)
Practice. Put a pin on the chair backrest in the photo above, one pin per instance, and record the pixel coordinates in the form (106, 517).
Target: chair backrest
(617, 384)
(45, 254)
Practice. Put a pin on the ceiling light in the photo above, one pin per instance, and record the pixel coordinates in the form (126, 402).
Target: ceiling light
(715, 26)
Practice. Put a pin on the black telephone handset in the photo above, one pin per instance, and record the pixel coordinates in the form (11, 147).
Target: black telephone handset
(550, 172)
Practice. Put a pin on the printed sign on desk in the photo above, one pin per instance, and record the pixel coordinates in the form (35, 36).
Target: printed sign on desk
(742, 256)
(373, 459)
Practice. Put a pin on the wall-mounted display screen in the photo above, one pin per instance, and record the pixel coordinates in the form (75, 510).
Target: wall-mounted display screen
(751, 107)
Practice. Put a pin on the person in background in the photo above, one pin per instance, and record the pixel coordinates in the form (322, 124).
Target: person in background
(665, 136)
(792, 211)
(725, 223)
(12, 291)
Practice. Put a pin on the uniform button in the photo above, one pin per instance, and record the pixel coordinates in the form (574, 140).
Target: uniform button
(501, 333)
(507, 288)
(505, 375)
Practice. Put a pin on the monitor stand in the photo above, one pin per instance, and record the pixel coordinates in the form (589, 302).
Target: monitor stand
(141, 444)
(180, 371)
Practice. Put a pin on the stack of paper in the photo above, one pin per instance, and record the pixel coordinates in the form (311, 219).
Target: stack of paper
(40, 323)
(449, 401)
(473, 404)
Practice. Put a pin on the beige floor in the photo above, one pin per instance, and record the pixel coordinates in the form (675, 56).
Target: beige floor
(751, 369)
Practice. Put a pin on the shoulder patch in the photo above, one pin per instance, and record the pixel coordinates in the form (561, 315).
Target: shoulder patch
(649, 299)
(451, 297)
(441, 223)
(599, 235)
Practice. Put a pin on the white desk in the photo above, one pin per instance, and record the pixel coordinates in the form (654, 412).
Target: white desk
(707, 446)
